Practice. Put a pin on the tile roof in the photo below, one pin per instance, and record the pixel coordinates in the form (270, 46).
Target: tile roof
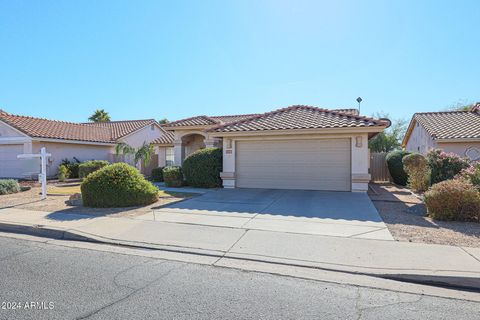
(350, 111)
(451, 124)
(90, 132)
(166, 138)
(300, 117)
(193, 121)
(208, 120)
(232, 118)
(120, 129)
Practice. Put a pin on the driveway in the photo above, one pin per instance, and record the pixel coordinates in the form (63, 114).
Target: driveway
(341, 214)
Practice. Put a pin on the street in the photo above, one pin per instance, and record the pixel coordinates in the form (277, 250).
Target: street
(46, 281)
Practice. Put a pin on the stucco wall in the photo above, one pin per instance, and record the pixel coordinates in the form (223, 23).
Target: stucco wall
(458, 147)
(360, 158)
(146, 134)
(6, 131)
(420, 140)
(82, 152)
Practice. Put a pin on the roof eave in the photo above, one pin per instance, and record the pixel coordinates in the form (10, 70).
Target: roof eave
(198, 127)
(373, 129)
(41, 139)
(450, 140)
(411, 125)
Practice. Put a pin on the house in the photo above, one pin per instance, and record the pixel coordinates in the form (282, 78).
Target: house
(451, 131)
(65, 140)
(298, 147)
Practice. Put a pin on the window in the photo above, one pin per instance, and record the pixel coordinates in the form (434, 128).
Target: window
(169, 157)
(152, 127)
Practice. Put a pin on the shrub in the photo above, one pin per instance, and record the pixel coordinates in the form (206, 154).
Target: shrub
(72, 167)
(88, 167)
(173, 176)
(416, 167)
(117, 185)
(395, 166)
(202, 168)
(8, 186)
(157, 174)
(471, 174)
(62, 172)
(453, 200)
(445, 166)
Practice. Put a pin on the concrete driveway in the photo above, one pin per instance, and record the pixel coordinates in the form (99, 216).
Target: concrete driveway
(341, 214)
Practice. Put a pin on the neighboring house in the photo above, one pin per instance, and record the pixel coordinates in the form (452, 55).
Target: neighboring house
(451, 131)
(299, 147)
(84, 141)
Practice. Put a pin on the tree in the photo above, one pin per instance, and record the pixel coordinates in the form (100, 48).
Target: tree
(391, 138)
(143, 154)
(163, 121)
(99, 115)
(461, 105)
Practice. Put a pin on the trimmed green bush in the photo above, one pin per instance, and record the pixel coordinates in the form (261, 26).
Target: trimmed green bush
(453, 200)
(88, 167)
(62, 173)
(8, 186)
(157, 174)
(395, 166)
(117, 185)
(72, 167)
(445, 166)
(416, 167)
(202, 168)
(173, 176)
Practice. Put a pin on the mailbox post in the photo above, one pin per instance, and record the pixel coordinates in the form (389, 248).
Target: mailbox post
(42, 177)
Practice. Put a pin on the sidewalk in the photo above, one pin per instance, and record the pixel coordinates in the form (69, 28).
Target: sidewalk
(391, 259)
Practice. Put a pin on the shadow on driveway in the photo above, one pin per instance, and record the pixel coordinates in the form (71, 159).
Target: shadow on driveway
(293, 203)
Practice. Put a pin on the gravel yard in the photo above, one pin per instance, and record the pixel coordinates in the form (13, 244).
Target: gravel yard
(403, 213)
(30, 200)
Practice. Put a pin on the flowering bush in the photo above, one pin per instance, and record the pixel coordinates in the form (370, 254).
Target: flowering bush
(471, 174)
(453, 200)
(416, 166)
(445, 166)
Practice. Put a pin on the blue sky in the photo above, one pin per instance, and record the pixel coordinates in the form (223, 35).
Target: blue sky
(175, 59)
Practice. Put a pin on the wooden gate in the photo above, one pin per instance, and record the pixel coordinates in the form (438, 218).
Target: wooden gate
(378, 167)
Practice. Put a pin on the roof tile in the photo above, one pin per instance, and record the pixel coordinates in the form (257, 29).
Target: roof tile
(451, 124)
(166, 138)
(107, 132)
(299, 117)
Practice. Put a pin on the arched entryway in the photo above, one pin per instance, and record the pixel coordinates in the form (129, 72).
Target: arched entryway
(188, 143)
(191, 143)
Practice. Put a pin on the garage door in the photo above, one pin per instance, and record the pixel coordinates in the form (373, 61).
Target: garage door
(10, 166)
(322, 164)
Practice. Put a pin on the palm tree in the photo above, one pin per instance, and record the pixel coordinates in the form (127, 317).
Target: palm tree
(143, 154)
(99, 115)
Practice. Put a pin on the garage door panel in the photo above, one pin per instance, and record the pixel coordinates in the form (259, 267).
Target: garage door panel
(294, 164)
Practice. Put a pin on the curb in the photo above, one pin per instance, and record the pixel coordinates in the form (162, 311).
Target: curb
(470, 284)
(45, 232)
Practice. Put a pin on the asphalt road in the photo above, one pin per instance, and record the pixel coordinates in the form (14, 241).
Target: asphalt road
(72, 283)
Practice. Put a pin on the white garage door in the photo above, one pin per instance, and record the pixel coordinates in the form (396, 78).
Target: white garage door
(10, 166)
(322, 164)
